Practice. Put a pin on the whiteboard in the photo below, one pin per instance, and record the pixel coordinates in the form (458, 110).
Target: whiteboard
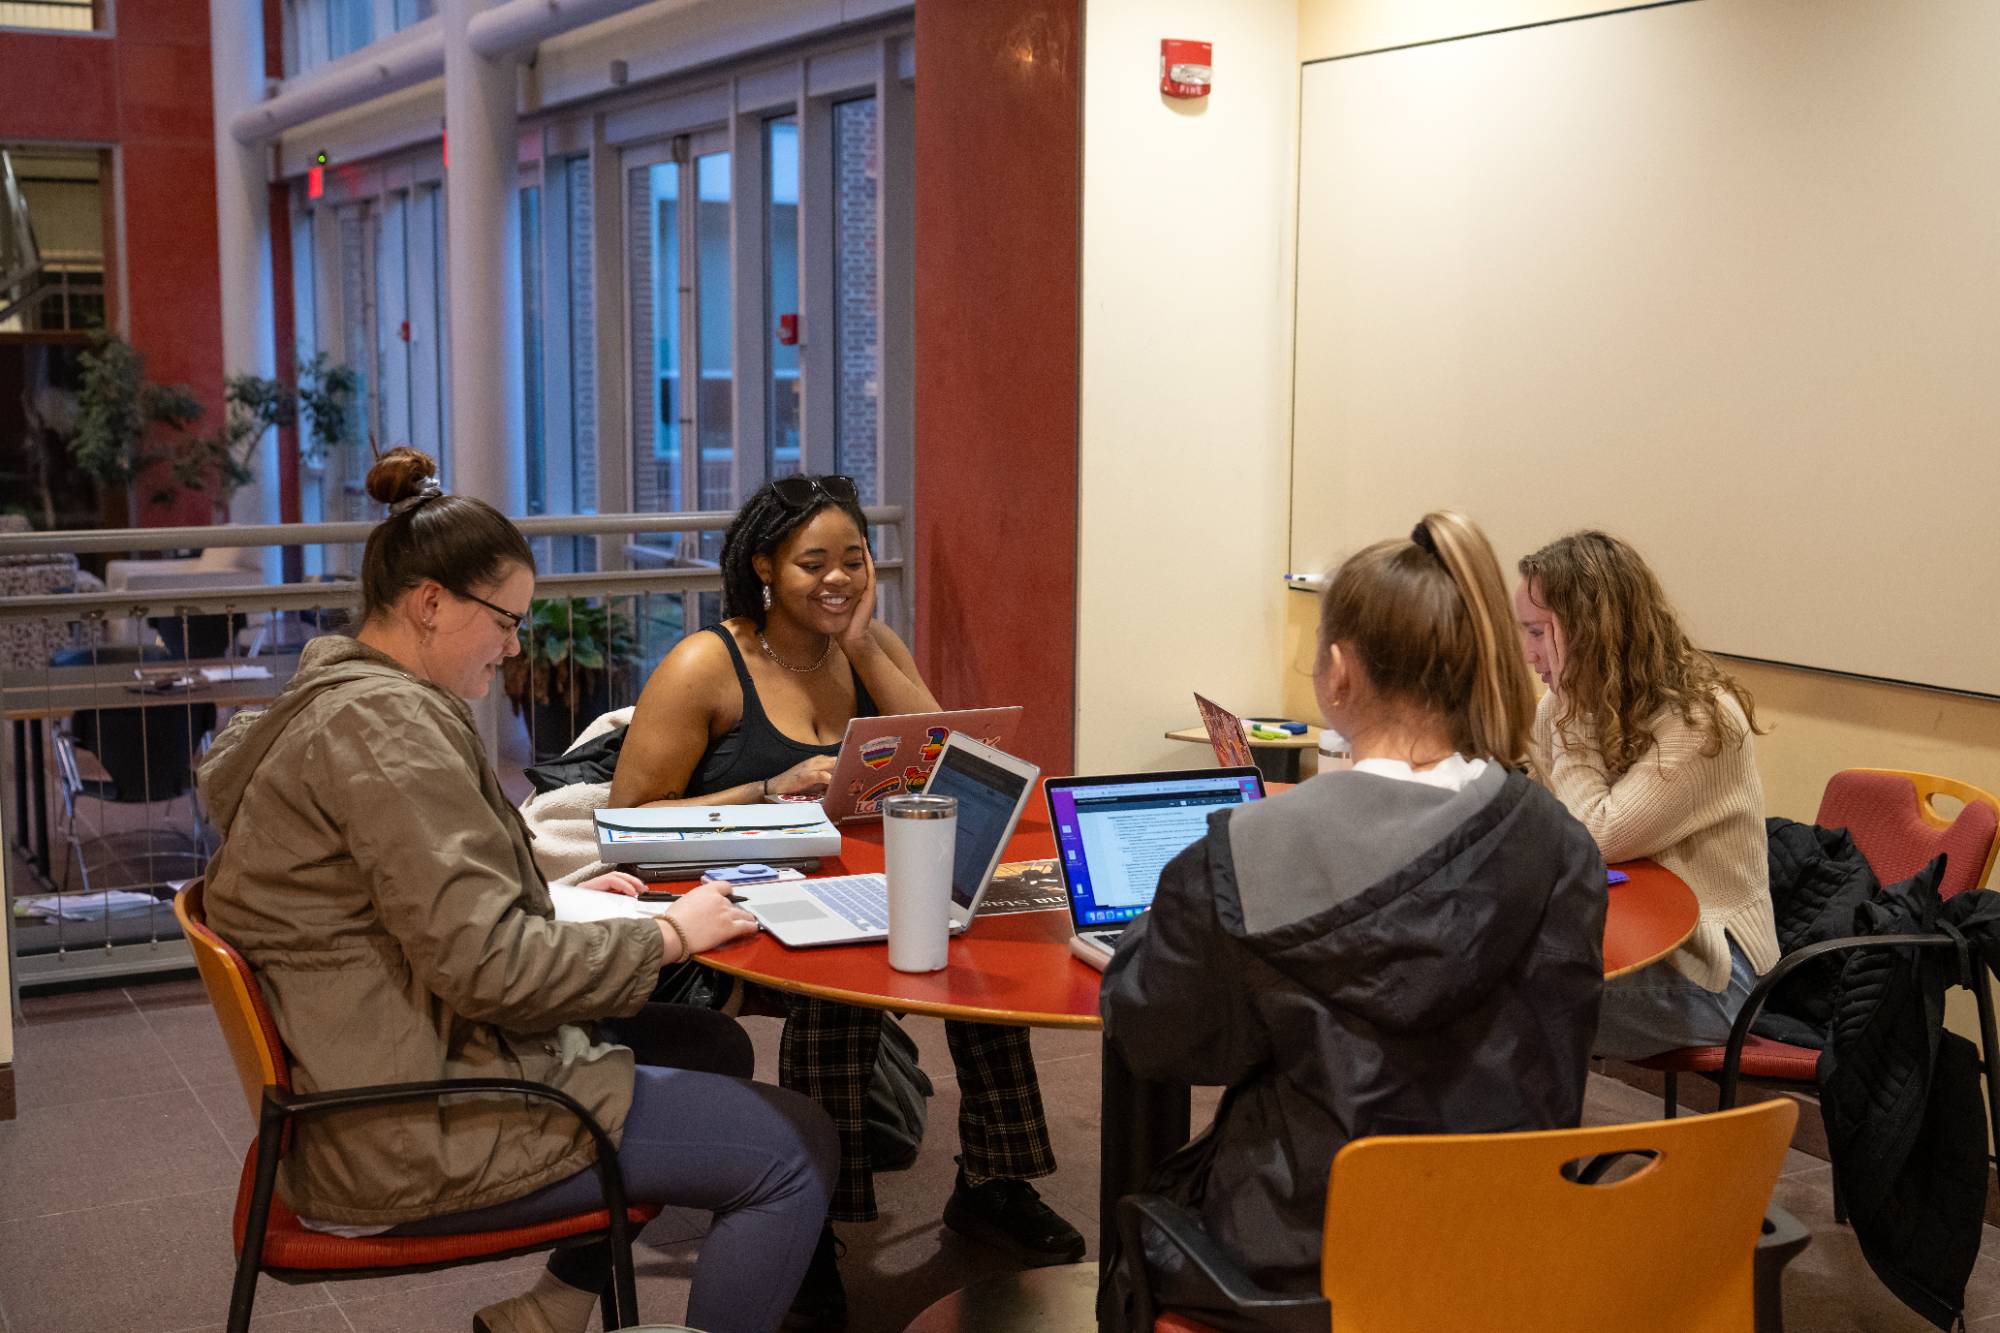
(1722, 277)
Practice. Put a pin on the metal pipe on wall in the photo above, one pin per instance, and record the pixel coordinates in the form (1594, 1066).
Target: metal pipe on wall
(341, 86)
(389, 66)
(517, 27)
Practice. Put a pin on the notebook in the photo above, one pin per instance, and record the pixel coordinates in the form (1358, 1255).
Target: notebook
(891, 755)
(992, 788)
(1115, 834)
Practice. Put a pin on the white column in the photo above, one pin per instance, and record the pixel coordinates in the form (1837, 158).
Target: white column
(487, 449)
(243, 225)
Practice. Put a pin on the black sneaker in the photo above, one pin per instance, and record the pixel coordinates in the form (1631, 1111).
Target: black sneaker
(1009, 1214)
(821, 1305)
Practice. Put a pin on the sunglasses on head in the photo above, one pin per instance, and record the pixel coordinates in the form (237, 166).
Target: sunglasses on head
(798, 492)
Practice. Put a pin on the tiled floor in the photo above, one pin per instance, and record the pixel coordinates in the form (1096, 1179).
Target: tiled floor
(116, 1183)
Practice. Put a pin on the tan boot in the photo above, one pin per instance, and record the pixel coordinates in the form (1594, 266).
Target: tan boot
(550, 1306)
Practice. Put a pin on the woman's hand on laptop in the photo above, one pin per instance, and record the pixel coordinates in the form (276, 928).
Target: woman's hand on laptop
(707, 919)
(803, 779)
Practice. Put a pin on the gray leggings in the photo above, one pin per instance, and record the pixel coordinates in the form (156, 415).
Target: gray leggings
(760, 1158)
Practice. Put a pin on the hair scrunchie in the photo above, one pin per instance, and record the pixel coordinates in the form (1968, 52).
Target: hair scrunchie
(1421, 535)
(428, 489)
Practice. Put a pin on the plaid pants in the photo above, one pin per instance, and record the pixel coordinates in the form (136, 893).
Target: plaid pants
(828, 1053)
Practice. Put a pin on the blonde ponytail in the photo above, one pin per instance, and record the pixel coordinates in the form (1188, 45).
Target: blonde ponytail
(1429, 620)
(1501, 707)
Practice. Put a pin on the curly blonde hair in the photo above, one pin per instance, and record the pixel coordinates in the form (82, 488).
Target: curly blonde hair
(1625, 657)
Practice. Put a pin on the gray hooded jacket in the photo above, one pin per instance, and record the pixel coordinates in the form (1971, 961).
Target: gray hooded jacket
(1360, 956)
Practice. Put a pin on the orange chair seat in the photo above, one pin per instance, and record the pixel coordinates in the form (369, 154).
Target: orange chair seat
(290, 1244)
(1762, 1058)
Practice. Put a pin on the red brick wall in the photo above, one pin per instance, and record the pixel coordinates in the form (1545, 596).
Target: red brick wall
(147, 90)
(998, 124)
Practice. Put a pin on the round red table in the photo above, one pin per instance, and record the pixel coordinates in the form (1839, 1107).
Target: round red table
(1017, 969)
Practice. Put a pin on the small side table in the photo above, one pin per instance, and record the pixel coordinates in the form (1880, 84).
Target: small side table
(1277, 760)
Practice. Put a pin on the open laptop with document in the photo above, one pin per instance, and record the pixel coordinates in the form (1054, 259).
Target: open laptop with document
(992, 788)
(1115, 834)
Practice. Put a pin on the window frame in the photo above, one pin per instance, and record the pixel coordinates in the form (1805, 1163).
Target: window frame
(631, 128)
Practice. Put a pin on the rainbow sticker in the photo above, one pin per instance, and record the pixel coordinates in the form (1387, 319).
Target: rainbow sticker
(934, 739)
(869, 802)
(879, 751)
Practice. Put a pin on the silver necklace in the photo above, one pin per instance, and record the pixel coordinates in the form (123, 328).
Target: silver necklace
(772, 653)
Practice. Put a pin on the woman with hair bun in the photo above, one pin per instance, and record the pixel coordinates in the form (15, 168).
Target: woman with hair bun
(375, 875)
(1411, 946)
(1648, 742)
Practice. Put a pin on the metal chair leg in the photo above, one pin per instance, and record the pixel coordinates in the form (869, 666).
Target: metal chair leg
(270, 1131)
(1671, 1097)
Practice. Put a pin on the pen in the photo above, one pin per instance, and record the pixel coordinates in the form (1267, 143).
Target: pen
(668, 896)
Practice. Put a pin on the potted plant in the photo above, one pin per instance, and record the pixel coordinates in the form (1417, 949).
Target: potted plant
(128, 429)
(577, 654)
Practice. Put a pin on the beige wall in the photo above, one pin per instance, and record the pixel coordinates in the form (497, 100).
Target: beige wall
(1219, 611)
(1184, 458)
(1344, 27)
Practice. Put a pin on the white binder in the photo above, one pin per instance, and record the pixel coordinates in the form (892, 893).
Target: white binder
(716, 834)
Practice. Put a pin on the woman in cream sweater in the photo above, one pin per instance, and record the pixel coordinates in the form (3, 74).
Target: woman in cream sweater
(1649, 743)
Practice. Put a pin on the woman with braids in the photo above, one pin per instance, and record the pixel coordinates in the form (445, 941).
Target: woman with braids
(755, 707)
(1648, 742)
(373, 872)
(1413, 946)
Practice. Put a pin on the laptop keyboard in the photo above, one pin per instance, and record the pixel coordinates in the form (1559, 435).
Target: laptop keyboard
(1106, 938)
(861, 899)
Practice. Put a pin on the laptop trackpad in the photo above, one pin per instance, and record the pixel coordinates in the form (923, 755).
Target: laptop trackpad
(792, 910)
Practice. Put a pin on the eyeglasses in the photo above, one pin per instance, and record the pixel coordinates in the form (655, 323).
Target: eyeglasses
(513, 619)
(798, 492)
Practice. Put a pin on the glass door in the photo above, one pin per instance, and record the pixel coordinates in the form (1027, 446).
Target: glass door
(678, 225)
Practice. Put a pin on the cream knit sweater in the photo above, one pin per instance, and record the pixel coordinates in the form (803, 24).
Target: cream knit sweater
(1701, 816)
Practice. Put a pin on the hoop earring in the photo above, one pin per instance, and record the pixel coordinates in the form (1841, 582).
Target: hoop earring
(767, 597)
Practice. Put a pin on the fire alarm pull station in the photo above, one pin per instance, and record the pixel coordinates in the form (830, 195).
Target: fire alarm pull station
(1186, 69)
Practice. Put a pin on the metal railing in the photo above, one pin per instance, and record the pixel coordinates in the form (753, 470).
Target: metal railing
(110, 697)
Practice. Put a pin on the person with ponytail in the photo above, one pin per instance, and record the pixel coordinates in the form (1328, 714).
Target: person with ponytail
(1647, 740)
(1412, 946)
(373, 872)
(755, 707)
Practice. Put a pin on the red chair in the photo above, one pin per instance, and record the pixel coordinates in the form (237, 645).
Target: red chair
(270, 1237)
(1893, 818)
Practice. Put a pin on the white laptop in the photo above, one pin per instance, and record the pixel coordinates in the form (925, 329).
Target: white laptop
(991, 787)
(1115, 834)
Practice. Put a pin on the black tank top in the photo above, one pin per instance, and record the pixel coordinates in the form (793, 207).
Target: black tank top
(753, 749)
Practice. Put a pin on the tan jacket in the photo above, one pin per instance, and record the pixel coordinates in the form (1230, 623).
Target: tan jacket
(1699, 815)
(376, 877)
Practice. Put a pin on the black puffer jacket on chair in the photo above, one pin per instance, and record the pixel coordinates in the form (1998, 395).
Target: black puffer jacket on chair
(1901, 1096)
